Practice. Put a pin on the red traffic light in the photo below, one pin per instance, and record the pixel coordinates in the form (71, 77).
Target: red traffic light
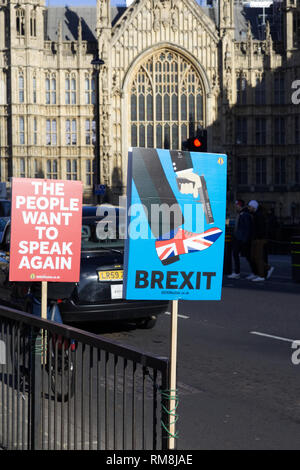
(197, 143)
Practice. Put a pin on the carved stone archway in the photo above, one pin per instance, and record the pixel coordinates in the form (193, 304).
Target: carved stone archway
(167, 100)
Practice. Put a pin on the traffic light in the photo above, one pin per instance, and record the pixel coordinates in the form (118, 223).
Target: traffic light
(197, 143)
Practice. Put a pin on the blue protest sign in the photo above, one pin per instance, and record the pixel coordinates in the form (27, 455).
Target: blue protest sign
(176, 225)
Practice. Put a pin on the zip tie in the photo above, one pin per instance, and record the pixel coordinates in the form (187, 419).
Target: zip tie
(170, 395)
(39, 344)
(167, 395)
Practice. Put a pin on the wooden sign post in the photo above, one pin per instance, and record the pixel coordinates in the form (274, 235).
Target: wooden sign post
(44, 316)
(173, 367)
(44, 299)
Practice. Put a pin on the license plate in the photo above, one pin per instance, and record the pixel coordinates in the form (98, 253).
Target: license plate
(110, 275)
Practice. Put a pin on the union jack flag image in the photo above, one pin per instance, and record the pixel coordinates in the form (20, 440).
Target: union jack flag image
(184, 242)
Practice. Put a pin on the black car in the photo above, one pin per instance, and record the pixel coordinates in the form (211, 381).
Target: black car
(98, 296)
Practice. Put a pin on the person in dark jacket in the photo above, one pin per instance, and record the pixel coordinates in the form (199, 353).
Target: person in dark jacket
(259, 257)
(241, 238)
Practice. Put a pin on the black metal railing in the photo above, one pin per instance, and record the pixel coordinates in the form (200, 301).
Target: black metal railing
(63, 388)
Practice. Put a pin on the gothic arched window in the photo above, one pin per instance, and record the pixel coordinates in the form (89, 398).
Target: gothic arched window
(20, 22)
(70, 93)
(71, 169)
(21, 88)
(90, 89)
(167, 103)
(52, 169)
(241, 90)
(34, 88)
(33, 23)
(50, 85)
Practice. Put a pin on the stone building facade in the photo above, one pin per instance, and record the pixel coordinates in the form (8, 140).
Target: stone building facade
(170, 68)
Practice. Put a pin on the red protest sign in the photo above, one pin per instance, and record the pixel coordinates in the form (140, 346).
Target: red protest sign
(46, 218)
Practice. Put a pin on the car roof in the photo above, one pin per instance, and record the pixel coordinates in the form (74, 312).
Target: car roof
(92, 220)
(101, 209)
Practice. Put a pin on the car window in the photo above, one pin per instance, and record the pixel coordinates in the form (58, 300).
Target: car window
(4, 232)
(100, 234)
(5, 208)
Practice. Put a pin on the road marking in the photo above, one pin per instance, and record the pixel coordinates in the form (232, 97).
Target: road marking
(181, 316)
(280, 338)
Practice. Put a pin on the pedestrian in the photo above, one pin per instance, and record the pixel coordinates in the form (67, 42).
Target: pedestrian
(259, 255)
(241, 239)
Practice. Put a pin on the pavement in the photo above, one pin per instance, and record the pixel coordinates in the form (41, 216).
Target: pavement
(280, 281)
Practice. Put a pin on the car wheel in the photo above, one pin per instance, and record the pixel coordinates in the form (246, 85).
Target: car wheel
(147, 323)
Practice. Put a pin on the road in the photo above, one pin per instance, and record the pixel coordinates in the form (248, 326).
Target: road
(238, 388)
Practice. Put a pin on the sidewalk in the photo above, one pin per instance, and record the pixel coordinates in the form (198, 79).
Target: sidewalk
(281, 279)
(281, 263)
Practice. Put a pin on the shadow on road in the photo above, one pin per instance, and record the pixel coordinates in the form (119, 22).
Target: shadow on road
(275, 284)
